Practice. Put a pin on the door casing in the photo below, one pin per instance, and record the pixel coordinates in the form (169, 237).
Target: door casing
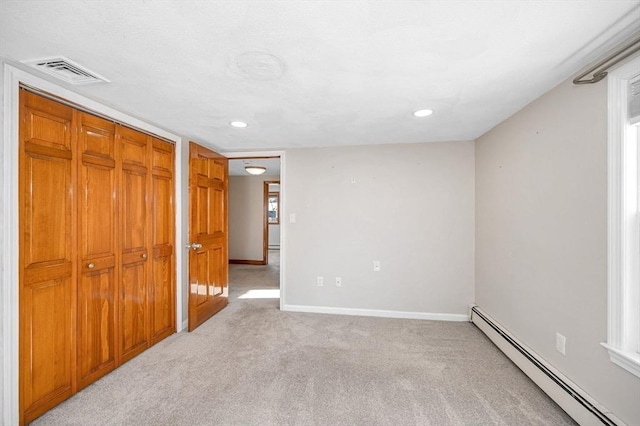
(265, 218)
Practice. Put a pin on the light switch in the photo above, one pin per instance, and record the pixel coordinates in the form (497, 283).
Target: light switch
(292, 218)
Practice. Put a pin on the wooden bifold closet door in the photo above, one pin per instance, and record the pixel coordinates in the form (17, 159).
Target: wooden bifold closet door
(97, 248)
(96, 256)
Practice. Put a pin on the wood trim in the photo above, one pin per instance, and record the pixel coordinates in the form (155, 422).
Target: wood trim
(277, 195)
(265, 219)
(247, 262)
(251, 157)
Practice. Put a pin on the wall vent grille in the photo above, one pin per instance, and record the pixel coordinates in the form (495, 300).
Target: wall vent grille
(66, 70)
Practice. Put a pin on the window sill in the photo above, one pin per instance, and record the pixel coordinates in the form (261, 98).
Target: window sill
(628, 360)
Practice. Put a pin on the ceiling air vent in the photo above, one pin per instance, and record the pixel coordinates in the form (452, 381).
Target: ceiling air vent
(66, 70)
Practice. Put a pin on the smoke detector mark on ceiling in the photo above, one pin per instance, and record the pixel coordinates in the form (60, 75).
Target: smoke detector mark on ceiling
(257, 65)
(66, 70)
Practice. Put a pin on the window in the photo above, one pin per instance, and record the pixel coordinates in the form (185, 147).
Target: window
(273, 208)
(623, 339)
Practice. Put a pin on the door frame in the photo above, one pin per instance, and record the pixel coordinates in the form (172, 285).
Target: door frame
(265, 217)
(13, 75)
(265, 230)
(236, 155)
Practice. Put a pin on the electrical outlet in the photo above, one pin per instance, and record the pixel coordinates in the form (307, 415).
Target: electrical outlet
(561, 343)
(376, 266)
(338, 281)
(320, 281)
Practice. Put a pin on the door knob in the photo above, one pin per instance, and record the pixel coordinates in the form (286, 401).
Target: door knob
(144, 256)
(194, 246)
(91, 265)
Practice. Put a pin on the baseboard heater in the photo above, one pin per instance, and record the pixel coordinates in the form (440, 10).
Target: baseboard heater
(582, 408)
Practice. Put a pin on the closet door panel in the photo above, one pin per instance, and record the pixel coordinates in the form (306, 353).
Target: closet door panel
(99, 274)
(162, 297)
(49, 177)
(46, 255)
(135, 237)
(96, 328)
(133, 312)
(48, 377)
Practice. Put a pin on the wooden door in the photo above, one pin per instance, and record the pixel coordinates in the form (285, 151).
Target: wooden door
(208, 254)
(47, 272)
(99, 273)
(162, 294)
(135, 242)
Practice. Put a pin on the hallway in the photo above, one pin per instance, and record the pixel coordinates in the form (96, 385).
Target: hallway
(256, 281)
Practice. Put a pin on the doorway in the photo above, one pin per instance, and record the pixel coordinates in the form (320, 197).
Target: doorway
(254, 270)
(248, 222)
(271, 217)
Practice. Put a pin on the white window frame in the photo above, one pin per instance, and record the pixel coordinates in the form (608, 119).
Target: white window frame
(623, 337)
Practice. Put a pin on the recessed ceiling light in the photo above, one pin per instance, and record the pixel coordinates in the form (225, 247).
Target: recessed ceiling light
(239, 124)
(423, 113)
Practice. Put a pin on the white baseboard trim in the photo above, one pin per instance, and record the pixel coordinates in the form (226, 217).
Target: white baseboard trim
(576, 402)
(375, 313)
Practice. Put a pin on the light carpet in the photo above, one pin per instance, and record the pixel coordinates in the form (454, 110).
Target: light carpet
(252, 364)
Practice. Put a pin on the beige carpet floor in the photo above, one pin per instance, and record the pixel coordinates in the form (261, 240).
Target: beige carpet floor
(254, 365)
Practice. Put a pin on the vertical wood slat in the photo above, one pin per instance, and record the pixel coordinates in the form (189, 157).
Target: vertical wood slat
(162, 291)
(135, 214)
(97, 287)
(47, 251)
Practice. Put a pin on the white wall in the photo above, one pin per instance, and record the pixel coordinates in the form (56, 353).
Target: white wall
(3, 242)
(411, 207)
(541, 237)
(182, 169)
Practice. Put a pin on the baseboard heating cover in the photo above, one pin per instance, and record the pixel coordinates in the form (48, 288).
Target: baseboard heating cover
(577, 403)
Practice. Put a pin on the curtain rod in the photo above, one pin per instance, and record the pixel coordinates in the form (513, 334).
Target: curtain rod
(600, 69)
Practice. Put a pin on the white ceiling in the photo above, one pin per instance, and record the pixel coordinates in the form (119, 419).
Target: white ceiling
(236, 166)
(317, 73)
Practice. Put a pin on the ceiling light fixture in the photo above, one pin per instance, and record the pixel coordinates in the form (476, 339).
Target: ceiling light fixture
(255, 170)
(239, 124)
(423, 113)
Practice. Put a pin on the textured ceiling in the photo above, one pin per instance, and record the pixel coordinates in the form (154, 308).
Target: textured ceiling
(316, 73)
